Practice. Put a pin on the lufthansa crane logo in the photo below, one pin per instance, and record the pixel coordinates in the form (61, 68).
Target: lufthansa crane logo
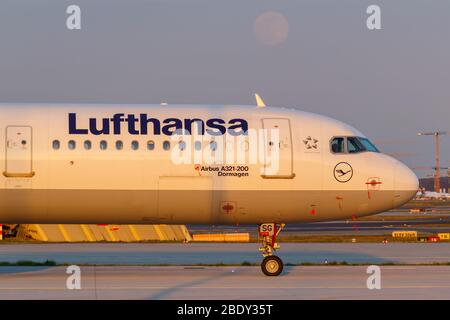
(343, 172)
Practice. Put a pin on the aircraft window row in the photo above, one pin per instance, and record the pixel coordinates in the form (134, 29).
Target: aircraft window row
(119, 145)
(103, 144)
(352, 145)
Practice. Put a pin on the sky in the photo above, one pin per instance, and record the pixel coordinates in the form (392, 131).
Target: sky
(314, 55)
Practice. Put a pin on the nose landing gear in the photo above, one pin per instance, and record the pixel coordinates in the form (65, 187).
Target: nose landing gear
(268, 232)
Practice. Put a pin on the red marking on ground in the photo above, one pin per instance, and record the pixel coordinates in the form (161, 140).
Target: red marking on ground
(312, 212)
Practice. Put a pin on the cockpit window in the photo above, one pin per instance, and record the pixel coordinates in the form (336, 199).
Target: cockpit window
(352, 145)
(368, 145)
(337, 145)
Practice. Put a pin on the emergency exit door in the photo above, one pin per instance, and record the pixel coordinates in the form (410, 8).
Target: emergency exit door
(19, 152)
(278, 151)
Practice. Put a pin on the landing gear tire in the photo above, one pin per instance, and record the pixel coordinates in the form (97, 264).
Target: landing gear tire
(268, 232)
(272, 266)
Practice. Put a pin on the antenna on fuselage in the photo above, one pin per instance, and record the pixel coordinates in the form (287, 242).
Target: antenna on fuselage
(259, 101)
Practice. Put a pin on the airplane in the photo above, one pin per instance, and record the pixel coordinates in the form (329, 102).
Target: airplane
(191, 164)
(423, 194)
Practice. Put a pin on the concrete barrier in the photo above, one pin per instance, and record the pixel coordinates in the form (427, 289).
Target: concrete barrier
(444, 236)
(222, 237)
(405, 234)
(109, 233)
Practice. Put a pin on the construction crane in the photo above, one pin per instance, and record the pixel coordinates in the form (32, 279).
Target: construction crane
(448, 175)
(437, 174)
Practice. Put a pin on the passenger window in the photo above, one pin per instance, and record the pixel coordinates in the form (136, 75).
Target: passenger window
(71, 144)
(166, 145)
(119, 145)
(55, 144)
(354, 145)
(87, 145)
(182, 145)
(134, 145)
(337, 145)
(198, 145)
(150, 145)
(103, 145)
(213, 145)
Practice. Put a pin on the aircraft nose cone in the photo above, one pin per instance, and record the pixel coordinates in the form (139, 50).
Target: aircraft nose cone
(406, 184)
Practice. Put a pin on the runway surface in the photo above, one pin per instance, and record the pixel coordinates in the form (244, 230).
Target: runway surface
(216, 253)
(322, 282)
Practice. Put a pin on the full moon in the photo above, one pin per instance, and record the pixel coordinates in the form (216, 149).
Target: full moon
(271, 28)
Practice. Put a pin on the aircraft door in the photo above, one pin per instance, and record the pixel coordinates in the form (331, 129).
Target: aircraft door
(278, 150)
(19, 152)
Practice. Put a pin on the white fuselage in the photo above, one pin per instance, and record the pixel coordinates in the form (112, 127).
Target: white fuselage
(120, 164)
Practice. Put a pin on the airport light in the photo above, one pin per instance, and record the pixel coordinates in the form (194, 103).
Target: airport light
(437, 175)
